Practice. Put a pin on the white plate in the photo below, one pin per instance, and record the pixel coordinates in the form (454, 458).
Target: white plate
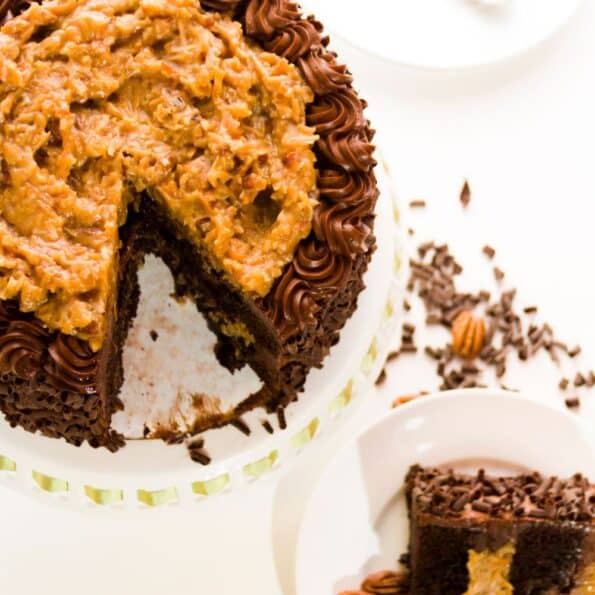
(356, 521)
(443, 33)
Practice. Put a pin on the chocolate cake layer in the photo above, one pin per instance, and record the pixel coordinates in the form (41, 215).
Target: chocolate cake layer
(281, 336)
(458, 521)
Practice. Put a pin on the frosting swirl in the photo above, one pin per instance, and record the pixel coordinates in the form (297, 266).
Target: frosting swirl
(322, 73)
(264, 17)
(72, 365)
(22, 348)
(352, 150)
(343, 228)
(295, 40)
(324, 271)
(292, 306)
(336, 112)
(341, 186)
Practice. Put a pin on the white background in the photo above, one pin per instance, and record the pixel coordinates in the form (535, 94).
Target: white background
(523, 133)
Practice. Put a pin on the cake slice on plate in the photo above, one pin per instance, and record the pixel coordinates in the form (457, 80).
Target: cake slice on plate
(499, 535)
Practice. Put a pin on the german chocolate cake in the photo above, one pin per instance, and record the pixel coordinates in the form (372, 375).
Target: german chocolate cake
(500, 535)
(223, 137)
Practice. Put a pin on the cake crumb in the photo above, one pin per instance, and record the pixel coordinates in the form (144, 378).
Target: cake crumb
(154, 335)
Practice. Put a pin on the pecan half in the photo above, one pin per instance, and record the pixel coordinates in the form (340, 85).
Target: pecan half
(468, 335)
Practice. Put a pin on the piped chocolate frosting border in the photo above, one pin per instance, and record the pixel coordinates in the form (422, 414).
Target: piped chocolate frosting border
(316, 293)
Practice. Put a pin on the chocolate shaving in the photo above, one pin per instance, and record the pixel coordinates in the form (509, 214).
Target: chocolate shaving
(197, 452)
(489, 251)
(465, 194)
(241, 425)
(574, 352)
(573, 403)
(381, 377)
(393, 355)
(418, 204)
(281, 418)
(266, 424)
(498, 274)
(579, 380)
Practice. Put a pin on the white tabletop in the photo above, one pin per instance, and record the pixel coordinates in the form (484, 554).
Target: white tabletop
(523, 133)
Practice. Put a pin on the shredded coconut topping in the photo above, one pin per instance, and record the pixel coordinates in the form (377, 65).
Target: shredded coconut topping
(103, 99)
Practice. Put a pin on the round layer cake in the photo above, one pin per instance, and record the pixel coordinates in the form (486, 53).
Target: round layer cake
(223, 137)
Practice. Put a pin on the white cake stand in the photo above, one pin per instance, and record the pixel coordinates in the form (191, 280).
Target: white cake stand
(149, 473)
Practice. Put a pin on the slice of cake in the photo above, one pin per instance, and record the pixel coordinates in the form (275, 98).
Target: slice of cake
(221, 136)
(500, 535)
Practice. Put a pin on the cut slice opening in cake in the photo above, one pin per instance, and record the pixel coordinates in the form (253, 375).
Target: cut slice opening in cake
(173, 382)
